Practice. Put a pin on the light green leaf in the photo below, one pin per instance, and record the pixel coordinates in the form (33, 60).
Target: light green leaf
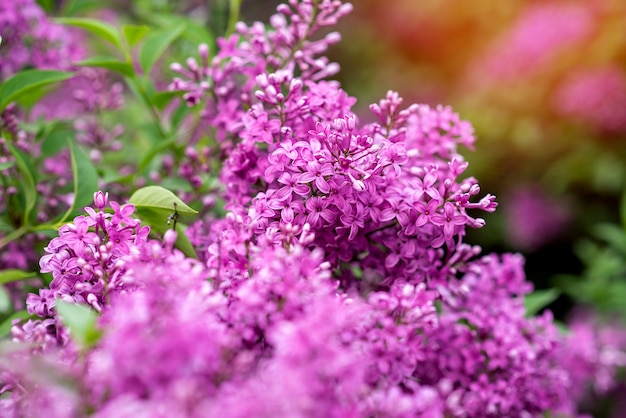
(539, 299)
(26, 81)
(81, 322)
(6, 164)
(85, 179)
(5, 327)
(155, 45)
(134, 33)
(28, 184)
(14, 275)
(96, 27)
(157, 197)
(110, 63)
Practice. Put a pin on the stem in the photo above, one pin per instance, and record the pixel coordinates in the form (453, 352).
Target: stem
(12, 236)
(233, 16)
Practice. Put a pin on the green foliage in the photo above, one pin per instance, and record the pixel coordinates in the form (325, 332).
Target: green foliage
(28, 185)
(26, 82)
(159, 198)
(100, 29)
(5, 327)
(85, 179)
(14, 275)
(155, 45)
(539, 299)
(110, 63)
(602, 283)
(133, 34)
(81, 322)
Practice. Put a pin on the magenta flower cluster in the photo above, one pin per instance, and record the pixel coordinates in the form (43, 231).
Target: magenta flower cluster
(337, 285)
(30, 39)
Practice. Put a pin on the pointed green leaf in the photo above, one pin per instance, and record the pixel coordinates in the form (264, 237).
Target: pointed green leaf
(539, 299)
(26, 81)
(28, 184)
(155, 45)
(157, 197)
(5, 327)
(81, 322)
(6, 164)
(14, 275)
(109, 63)
(134, 33)
(101, 29)
(85, 179)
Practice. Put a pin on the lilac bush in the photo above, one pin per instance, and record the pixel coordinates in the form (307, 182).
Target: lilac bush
(337, 282)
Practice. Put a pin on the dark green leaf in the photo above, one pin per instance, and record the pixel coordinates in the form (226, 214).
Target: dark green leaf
(539, 299)
(134, 34)
(14, 275)
(109, 63)
(5, 327)
(157, 197)
(155, 45)
(81, 322)
(96, 27)
(26, 81)
(85, 179)
(28, 184)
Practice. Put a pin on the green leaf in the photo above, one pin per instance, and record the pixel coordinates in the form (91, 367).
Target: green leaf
(155, 45)
(134, 33)
(163, 98)
(539, 299)
(26, 81)
(28, 184)
(6, 304)
(85, 179)
(75, 7)
(110, 63)
(182, 241)
(7, 164)
(101, 29)
(157, 197)
(56, 141)
(81, 322)
(5, 327)
(14, 275)
(157, 220)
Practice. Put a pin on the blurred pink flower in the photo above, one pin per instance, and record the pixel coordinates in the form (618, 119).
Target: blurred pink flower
(533, 41)
(533, 218)
(596, 97)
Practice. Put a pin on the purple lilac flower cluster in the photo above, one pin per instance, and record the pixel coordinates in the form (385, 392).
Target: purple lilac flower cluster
(87, 266)
(30, 39)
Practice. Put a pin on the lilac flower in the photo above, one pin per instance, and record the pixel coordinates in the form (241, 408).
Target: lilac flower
(29, 39)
